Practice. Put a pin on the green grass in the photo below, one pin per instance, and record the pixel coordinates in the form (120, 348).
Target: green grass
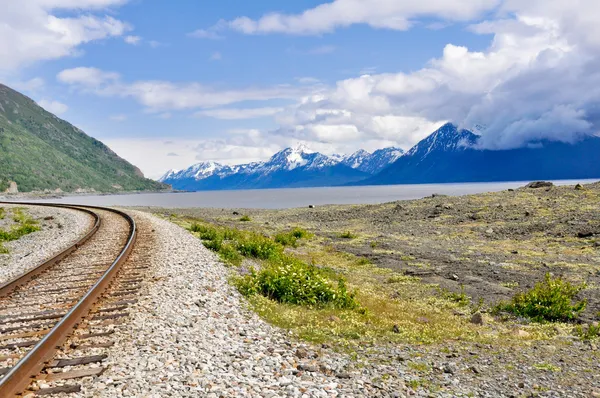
(588, 332)
(24, 225)
(460, 298)
(245, 218)
(290, 238)
(549, 301)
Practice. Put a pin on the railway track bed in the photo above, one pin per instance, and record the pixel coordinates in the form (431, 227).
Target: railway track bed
(56, 320)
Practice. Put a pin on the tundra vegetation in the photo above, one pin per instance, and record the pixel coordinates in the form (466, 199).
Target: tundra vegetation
(417, 271)
(19, 225)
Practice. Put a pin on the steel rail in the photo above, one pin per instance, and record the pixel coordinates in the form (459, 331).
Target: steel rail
(20, 376)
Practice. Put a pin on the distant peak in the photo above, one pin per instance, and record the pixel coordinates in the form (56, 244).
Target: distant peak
(301, 148)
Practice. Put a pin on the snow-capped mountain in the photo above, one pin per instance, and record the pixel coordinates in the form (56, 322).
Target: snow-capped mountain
(373, 163)
(197, 171)
(453, 155)
(291, 167)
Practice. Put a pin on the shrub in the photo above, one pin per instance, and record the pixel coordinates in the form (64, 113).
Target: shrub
(460, 298)
(245, 218)
(258, 246)
(291, 238)
(550, 300)
(214, 244)
(588, 332)
(230, 255)
(348, 235)
(292, 281)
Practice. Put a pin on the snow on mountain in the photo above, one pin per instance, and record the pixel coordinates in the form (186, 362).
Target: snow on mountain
(356, 159)
(447, 139)
(372, 163)
(197, 171)
(298, 162)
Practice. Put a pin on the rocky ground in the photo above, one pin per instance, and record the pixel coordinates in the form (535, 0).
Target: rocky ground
(492, 244)
(59, 229)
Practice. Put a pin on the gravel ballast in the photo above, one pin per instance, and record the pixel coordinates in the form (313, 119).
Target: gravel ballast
(60, 228)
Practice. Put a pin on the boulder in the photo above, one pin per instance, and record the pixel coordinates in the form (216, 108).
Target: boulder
(477, 319)
(539, 184)
(12, 187)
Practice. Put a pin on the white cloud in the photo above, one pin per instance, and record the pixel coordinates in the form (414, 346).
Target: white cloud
(133, 40)
(163, 95)
(35, 84)
(211, 34)
(155, 44)
(234, 114)
(55, 107)
(118, 118)
(87, 77)
(380, 14)
(217, 56)
(539, 79)
(30, 32)
(152, 156)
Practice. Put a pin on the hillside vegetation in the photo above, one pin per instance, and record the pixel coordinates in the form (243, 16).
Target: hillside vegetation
(40, 151)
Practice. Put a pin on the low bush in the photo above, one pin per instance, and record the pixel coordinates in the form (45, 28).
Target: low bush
(292, 281)
(258, 246)
(550, 300)
(348, 235)
(588, 332)
(282, 278)
(230, 255)
(460, 298)
(291, 238)
(245, 218)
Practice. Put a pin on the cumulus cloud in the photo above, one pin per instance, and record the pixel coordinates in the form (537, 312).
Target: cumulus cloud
(539, 79)
(55, 107)
(30, 31)
(159, 95)
(379, 14)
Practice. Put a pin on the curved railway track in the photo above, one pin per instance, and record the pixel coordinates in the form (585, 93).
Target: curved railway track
(57, 307)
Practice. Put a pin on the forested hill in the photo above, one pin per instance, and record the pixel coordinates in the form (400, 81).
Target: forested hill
(41, 151)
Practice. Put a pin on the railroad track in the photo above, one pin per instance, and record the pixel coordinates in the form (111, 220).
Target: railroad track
(57, 318)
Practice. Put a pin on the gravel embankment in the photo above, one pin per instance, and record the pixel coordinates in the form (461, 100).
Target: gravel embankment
(191, 336)
(59, 229)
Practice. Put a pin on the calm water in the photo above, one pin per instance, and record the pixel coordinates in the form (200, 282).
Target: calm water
(297, 197)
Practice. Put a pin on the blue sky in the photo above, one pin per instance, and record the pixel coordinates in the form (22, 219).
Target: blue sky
(167, 84)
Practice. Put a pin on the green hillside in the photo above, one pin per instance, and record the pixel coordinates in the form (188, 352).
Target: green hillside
(40, 151)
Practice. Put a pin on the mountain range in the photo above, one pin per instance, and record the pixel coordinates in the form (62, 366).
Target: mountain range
(454, 155)
(447, 155)
(40, 151)
(289, 168)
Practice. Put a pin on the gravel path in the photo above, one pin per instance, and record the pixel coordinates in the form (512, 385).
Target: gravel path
(59, 229)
